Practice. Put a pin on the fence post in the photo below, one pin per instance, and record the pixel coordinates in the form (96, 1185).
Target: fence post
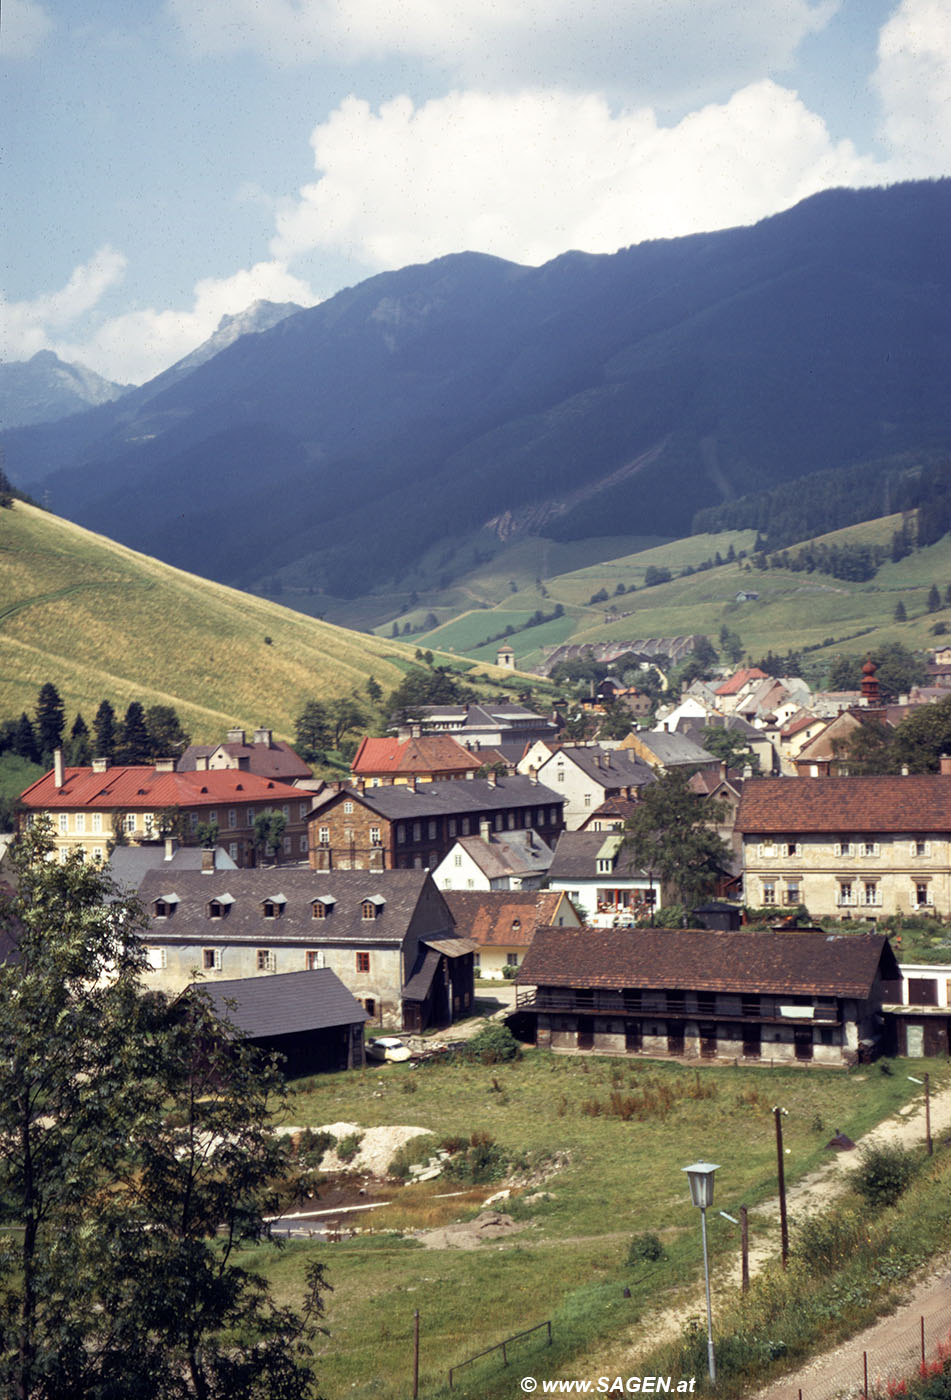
(865, 1370)
(922, 1340)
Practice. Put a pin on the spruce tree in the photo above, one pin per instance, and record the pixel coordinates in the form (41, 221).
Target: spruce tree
(134, 746)
(934, 598)
(104, 725)
(50, 717)
(78, 751)
(900, 613)
(24, 742)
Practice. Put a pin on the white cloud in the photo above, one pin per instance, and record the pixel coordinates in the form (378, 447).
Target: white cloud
(25, 25)
(913, 80)
(137, 345)
(527, 175)
(656, 49)
(27, 325)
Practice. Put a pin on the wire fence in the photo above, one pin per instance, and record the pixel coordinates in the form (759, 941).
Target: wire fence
(853, 1373)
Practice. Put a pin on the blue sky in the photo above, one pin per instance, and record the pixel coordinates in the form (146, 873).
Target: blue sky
(167, 162)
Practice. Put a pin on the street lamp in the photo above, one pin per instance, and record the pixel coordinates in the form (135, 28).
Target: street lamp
(700, 1176)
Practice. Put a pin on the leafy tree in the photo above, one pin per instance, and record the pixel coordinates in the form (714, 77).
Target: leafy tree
(729, 746)
(845, 673)
(269, 832)
(79, 750)
(206, 834)
(106, 731)
(430, 687)
(670, 837)
(134, 744)
(654, 575)
(166, 737)
(137, 1155)
(50, 718)
(344, 714)
(312, 730)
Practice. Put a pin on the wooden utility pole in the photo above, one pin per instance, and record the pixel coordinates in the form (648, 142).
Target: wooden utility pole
(416, 1355)
(745, 1248)
(781, 1173)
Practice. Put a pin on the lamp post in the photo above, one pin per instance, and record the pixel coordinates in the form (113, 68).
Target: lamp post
(700, 1176)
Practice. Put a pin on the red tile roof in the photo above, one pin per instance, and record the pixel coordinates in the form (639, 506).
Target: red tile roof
(430, 753)
(143, 787)
(739, 679)
(489, 917)
(918, 803)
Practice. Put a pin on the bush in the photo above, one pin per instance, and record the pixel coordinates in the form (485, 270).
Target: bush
(884, 1174)
(348, 1147)
(418, 1150)
(828, 1241)
(645, 1248)
(494, 1045)
(671, 916)
(312, 1145)
(480, 1161)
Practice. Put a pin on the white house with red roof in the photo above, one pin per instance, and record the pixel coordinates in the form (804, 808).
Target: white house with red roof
(93, 808)
(423, 757)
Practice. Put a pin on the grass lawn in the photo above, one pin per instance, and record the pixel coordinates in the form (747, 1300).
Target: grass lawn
(617, 1178)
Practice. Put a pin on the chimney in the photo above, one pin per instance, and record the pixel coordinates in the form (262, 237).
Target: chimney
(171, 846)
(100, 765)
(235, 736)
(904, 769)
(491, 778)
(946, 763)
(59, 776)
(533, 776)
(208, 862)
(165, 765)
(201, 764)
(264, 736)
(485, 828)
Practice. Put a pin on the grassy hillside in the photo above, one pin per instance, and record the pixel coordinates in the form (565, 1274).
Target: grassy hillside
(99, 620)
(793, 610)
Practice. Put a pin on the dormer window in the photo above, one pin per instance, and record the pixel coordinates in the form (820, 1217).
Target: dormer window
(322, 908)
(218, 908)
(164, 906)
(371, 908)
(273, 907)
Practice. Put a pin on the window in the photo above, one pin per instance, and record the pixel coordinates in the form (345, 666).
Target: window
(792, 894)
(869, 848)
(843, 848)
(285, 812)
(769, 892)
(304, 809)
(211, 959)
(400, 833)
(457, 859)
(792, 848)
(63, 822)
(452, 826)
(287, 845)
(97, 823)
(919, 847)
(98, 853)
(313, 960)
(845, 892)
(212, 817)
(511, 959)
(80, 823)
(375, 836)
(302, 845)
(192, 821)
(161, 909)
(605, 865)
(922, 894)
(464, 826)
(417, 831)
(561, 775)
(369, 909)
(323, 835)
(273, 908)
(767, 847)
(432, 831)
(363, 962)
(347, 809)
(870, 892)
(476, 961)
(218, 908)
(156, 959)
(587, 799)
(233, 850)
(232, 817)
(319, 909)
(265, 960)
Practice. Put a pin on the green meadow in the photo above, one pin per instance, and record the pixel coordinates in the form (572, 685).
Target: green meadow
(592, 1180)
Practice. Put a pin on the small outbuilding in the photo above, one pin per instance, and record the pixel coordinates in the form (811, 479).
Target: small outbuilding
(309, 1018)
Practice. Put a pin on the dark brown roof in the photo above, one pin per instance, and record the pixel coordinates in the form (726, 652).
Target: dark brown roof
(778, 963)
(918, 803)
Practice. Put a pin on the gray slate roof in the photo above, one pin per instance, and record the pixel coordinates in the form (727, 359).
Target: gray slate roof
(674, 749)
(245, 922)
(576, 857)
(399, 801)
(128, 864)
(508, 853)
(612, 768)
(284, 1002)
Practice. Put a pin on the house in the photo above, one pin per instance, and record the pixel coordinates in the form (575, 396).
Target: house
(919, 1022)
(725, 791)
(93, 808)
(406, 825)
(491, 724)
(425, 757)
(502, 925)
(787, 998)
(665, 752)
(309, 1019)
(388, 937)
(596, 871)
(822, 755)
(853, 847)
(612, 815)
(128, 864)
(586, 775)
(264, 755)
(512, 860)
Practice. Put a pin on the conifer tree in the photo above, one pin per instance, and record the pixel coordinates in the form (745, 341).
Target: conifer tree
(50, 717)
(934, 598)
(79, 751)
(104, 726)
(134, 744)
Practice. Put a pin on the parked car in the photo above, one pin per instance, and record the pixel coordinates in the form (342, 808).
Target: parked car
(387, 1048)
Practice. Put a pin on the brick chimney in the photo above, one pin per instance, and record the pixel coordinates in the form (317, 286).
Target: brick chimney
(945, 761)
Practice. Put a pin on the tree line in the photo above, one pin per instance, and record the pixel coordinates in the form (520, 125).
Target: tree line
(141, 735)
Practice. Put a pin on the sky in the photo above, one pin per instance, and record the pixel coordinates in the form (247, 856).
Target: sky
(168, 162)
